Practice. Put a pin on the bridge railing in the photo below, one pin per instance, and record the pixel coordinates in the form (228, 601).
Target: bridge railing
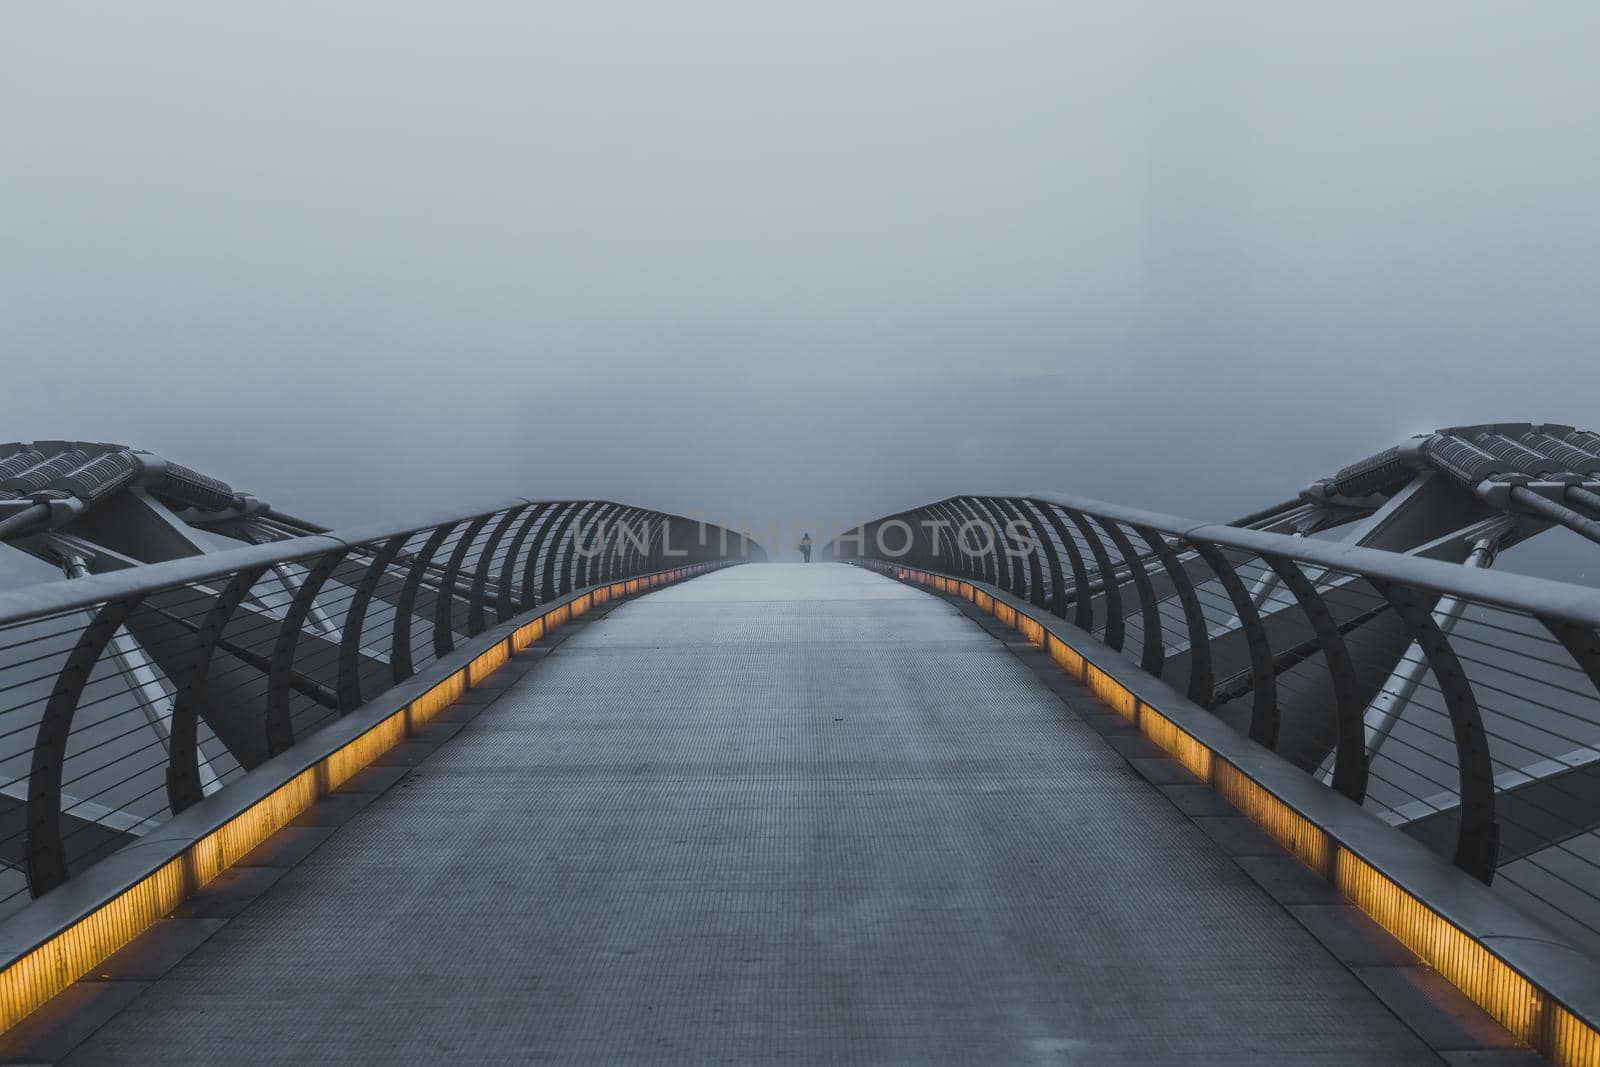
(1460, 705)
(128, 696)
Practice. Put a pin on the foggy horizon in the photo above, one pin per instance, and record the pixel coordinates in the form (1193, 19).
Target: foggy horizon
(771, 263)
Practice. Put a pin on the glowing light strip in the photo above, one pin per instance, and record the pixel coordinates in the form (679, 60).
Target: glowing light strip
(37, 975)
(1514, 1000)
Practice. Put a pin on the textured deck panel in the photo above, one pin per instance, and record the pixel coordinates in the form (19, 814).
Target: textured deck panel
(780, 811)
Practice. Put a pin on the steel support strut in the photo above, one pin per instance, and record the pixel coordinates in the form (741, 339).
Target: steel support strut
(1350, 742)
(444, 636)
(1263, 679)
(1108, 579)
(45, 855)
(400, 666)
(477, 621)
(1083, 611)
(183, 760)
(1200, 681)
(279, 724)
(355, 619)
(1478, 840)
(1154, 650)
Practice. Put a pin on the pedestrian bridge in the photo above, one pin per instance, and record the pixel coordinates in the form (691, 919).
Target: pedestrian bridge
(467, 791)
(772, 811)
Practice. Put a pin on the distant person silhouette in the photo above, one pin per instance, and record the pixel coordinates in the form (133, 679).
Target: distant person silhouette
(805, 547)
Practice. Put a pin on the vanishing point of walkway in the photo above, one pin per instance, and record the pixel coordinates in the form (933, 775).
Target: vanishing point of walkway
(776, 812)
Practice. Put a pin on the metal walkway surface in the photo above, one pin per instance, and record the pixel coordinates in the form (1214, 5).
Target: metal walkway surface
(780, 811)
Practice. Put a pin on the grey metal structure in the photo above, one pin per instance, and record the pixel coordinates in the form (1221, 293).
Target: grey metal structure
(162, 634)
(1355, 630)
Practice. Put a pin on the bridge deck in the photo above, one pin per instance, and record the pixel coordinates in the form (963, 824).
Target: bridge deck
(776, 811)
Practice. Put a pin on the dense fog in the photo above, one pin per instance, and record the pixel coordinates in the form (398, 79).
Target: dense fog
(793, 262)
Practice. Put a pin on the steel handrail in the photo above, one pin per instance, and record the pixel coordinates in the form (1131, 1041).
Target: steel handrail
(68, 594)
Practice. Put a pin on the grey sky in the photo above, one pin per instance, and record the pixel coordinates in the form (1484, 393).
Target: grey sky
(789, 260)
